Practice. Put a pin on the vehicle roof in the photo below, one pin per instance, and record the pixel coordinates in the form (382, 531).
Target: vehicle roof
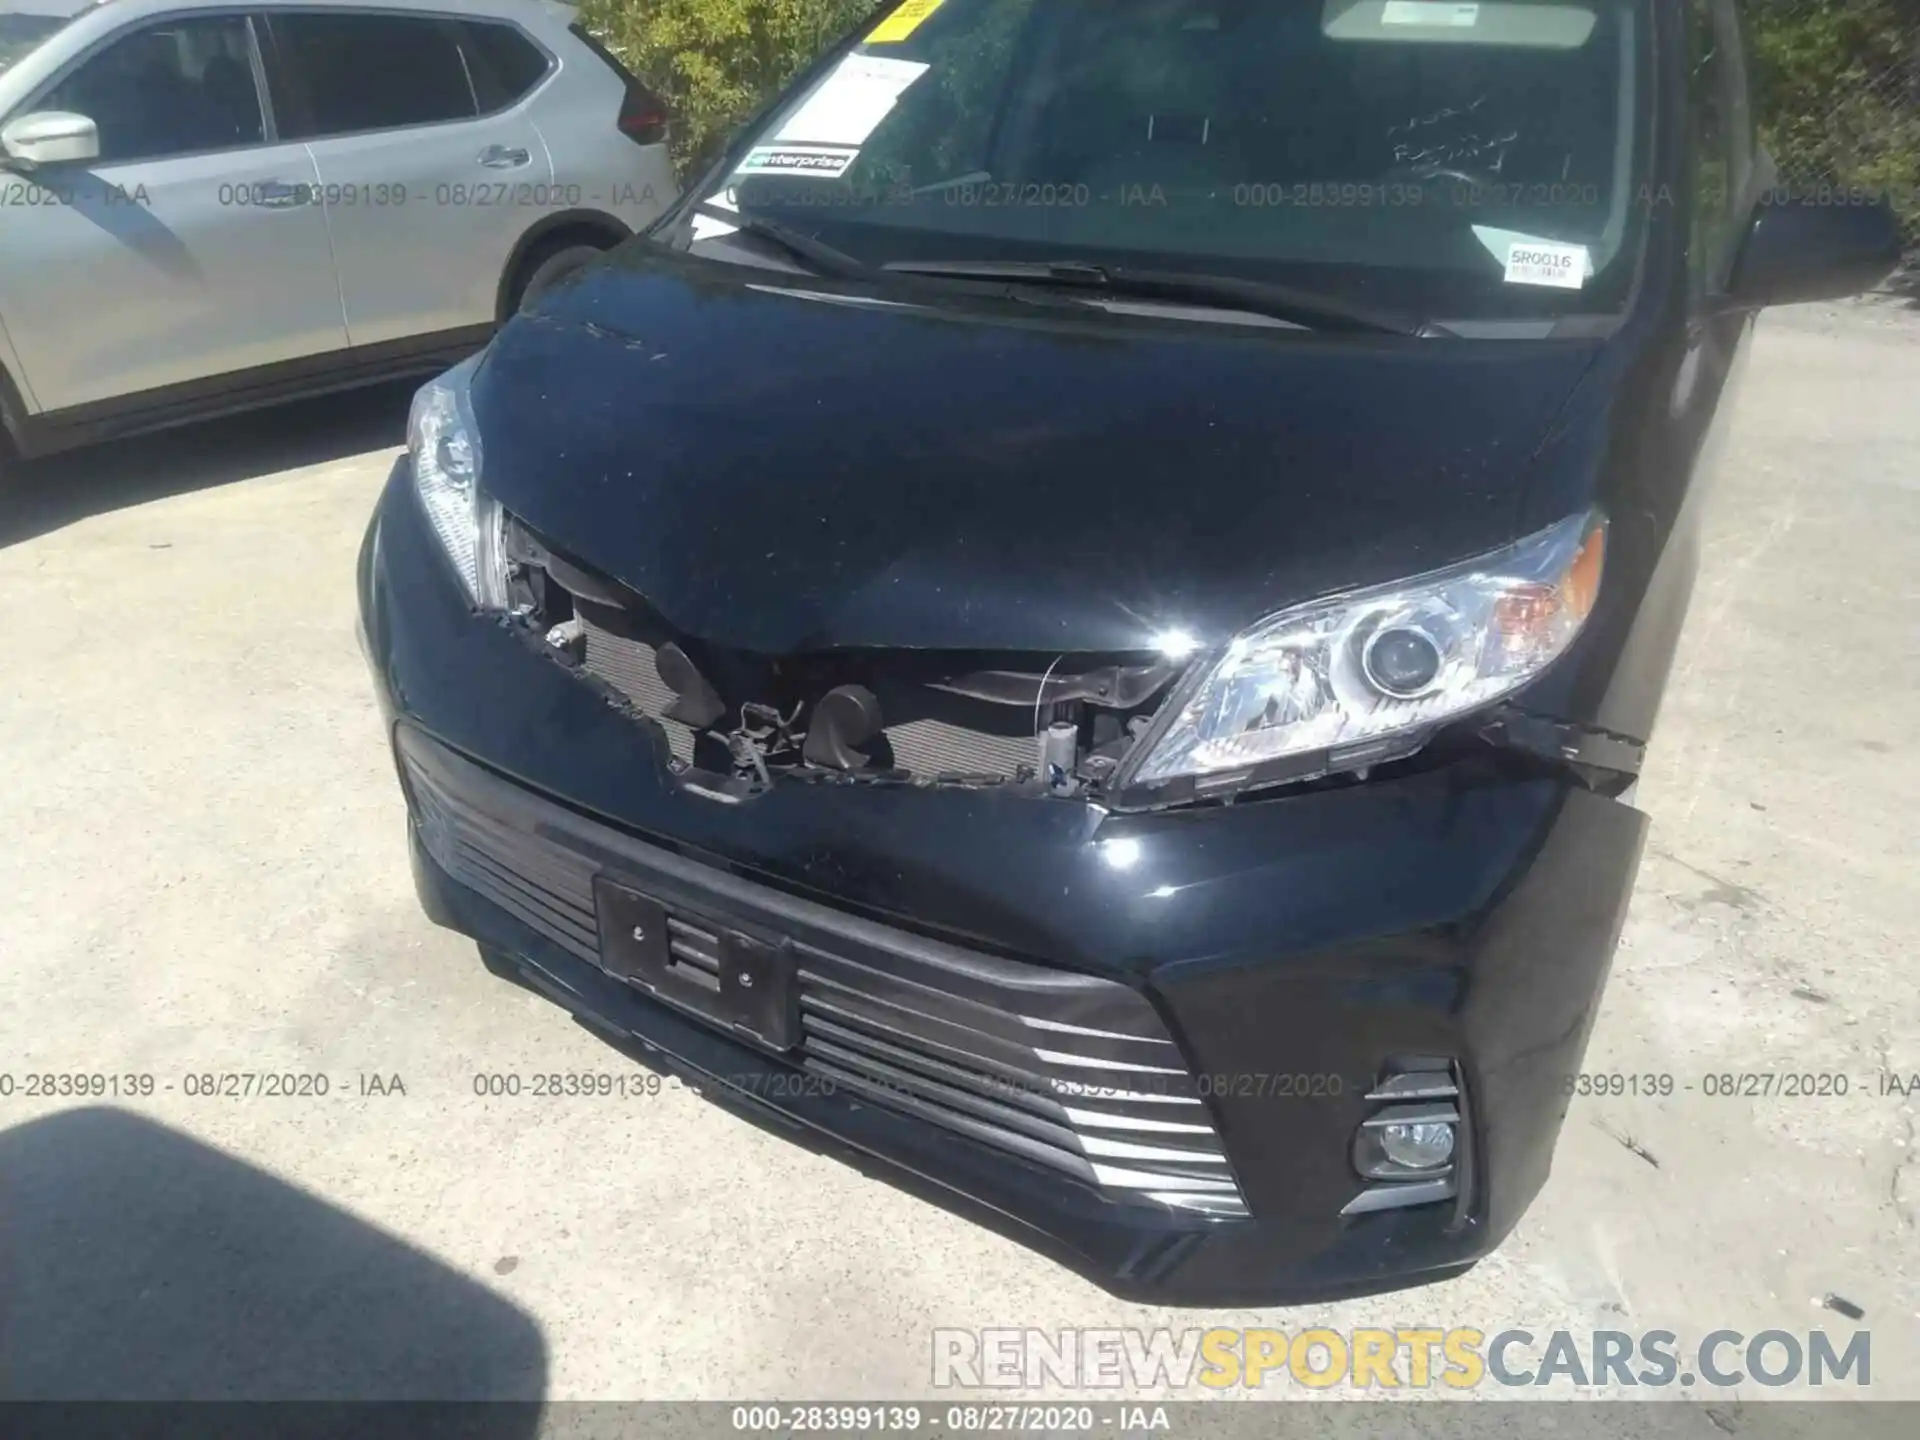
(134, 8)
(60, 9)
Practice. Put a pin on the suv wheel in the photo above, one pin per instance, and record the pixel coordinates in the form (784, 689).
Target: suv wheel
(550, 269)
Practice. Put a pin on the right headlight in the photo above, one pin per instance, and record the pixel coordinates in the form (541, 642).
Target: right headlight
(1355, 679)
(443, 443)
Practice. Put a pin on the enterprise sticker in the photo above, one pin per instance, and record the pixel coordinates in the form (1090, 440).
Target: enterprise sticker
(826, 160)
(1542, 262)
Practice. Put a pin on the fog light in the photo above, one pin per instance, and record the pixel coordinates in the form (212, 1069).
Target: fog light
(1421, 1145)
(1417, 1142)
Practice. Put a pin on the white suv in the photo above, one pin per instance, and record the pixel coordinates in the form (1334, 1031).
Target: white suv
(208, 205)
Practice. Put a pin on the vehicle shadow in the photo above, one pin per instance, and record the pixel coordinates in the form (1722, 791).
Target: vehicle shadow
(138, 1264)
(38, 496)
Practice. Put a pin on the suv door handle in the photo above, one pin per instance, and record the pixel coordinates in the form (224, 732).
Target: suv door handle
(500, 157)
(281, 195)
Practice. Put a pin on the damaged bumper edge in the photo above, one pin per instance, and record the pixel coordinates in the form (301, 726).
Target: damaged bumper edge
(1600, 759)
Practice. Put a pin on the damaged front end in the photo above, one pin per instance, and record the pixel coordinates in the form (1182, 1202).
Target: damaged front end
(733, 722)
(959, 909)
(1318, 693)
(1334, 687)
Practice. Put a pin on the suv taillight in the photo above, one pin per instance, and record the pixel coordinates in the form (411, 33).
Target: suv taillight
(643, 115)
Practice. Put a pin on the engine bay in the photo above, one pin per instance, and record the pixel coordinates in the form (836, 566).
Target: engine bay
(734, 721)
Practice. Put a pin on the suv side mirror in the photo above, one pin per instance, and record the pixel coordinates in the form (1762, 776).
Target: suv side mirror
(50, 137)
(1815, 250)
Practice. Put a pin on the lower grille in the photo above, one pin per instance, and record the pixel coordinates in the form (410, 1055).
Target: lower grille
(1068, 1071)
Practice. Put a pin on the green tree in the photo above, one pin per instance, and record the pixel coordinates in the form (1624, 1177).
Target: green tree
(716, 61)
(1837, 93)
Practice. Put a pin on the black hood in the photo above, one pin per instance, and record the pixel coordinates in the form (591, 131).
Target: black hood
(782, 465)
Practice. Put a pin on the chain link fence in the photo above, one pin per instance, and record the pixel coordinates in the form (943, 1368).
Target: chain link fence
(1836, 87)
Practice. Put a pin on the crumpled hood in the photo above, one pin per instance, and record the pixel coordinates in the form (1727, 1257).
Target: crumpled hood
(781, 468)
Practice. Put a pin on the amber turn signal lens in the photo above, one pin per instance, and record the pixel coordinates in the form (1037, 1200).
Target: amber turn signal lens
(1581, 587)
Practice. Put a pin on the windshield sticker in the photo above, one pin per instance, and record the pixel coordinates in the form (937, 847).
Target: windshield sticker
(1497, 242)
(851, 102)
(1428, 12)
(822, 160)
(1546, 262)
(902, 22)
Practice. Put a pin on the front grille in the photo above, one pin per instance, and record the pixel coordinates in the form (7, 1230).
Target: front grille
(1068, 1071)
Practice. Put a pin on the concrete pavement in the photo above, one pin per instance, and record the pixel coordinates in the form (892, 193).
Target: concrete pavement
(205, 872)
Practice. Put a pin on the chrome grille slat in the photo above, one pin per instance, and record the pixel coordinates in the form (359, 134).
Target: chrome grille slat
(954, 1098)
(1010, 1085)
(1024, 1145)
(994, 1047)
(999, 1068)
(1071, 1072)
(983, 1052)
(1021, 1093)
(998, 999)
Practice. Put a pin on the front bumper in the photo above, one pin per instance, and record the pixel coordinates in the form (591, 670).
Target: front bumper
(1467, 913)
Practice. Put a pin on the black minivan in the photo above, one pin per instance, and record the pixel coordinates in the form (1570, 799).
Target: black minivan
(1077, 623)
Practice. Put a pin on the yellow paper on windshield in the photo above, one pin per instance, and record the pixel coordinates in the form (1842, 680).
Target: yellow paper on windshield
(902, 22)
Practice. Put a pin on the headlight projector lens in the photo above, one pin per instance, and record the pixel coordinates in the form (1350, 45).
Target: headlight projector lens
(1401, 661)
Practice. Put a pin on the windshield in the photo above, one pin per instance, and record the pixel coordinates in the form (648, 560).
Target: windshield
(1474, 160)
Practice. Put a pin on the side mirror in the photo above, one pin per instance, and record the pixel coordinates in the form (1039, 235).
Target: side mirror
(50, 137)
(1822, 249)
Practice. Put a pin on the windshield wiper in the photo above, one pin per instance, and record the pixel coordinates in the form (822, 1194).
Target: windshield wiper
(816, 255)
(1260, 297)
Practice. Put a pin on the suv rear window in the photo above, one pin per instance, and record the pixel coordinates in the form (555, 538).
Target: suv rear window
(352, 72)
(504, 64)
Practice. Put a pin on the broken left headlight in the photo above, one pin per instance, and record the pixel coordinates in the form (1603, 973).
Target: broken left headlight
(443, 444)
(1353, 680)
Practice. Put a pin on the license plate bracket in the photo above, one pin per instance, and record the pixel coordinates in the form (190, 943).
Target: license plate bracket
(751, 987)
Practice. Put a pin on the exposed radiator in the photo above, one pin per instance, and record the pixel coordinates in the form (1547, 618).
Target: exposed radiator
(627, 665)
